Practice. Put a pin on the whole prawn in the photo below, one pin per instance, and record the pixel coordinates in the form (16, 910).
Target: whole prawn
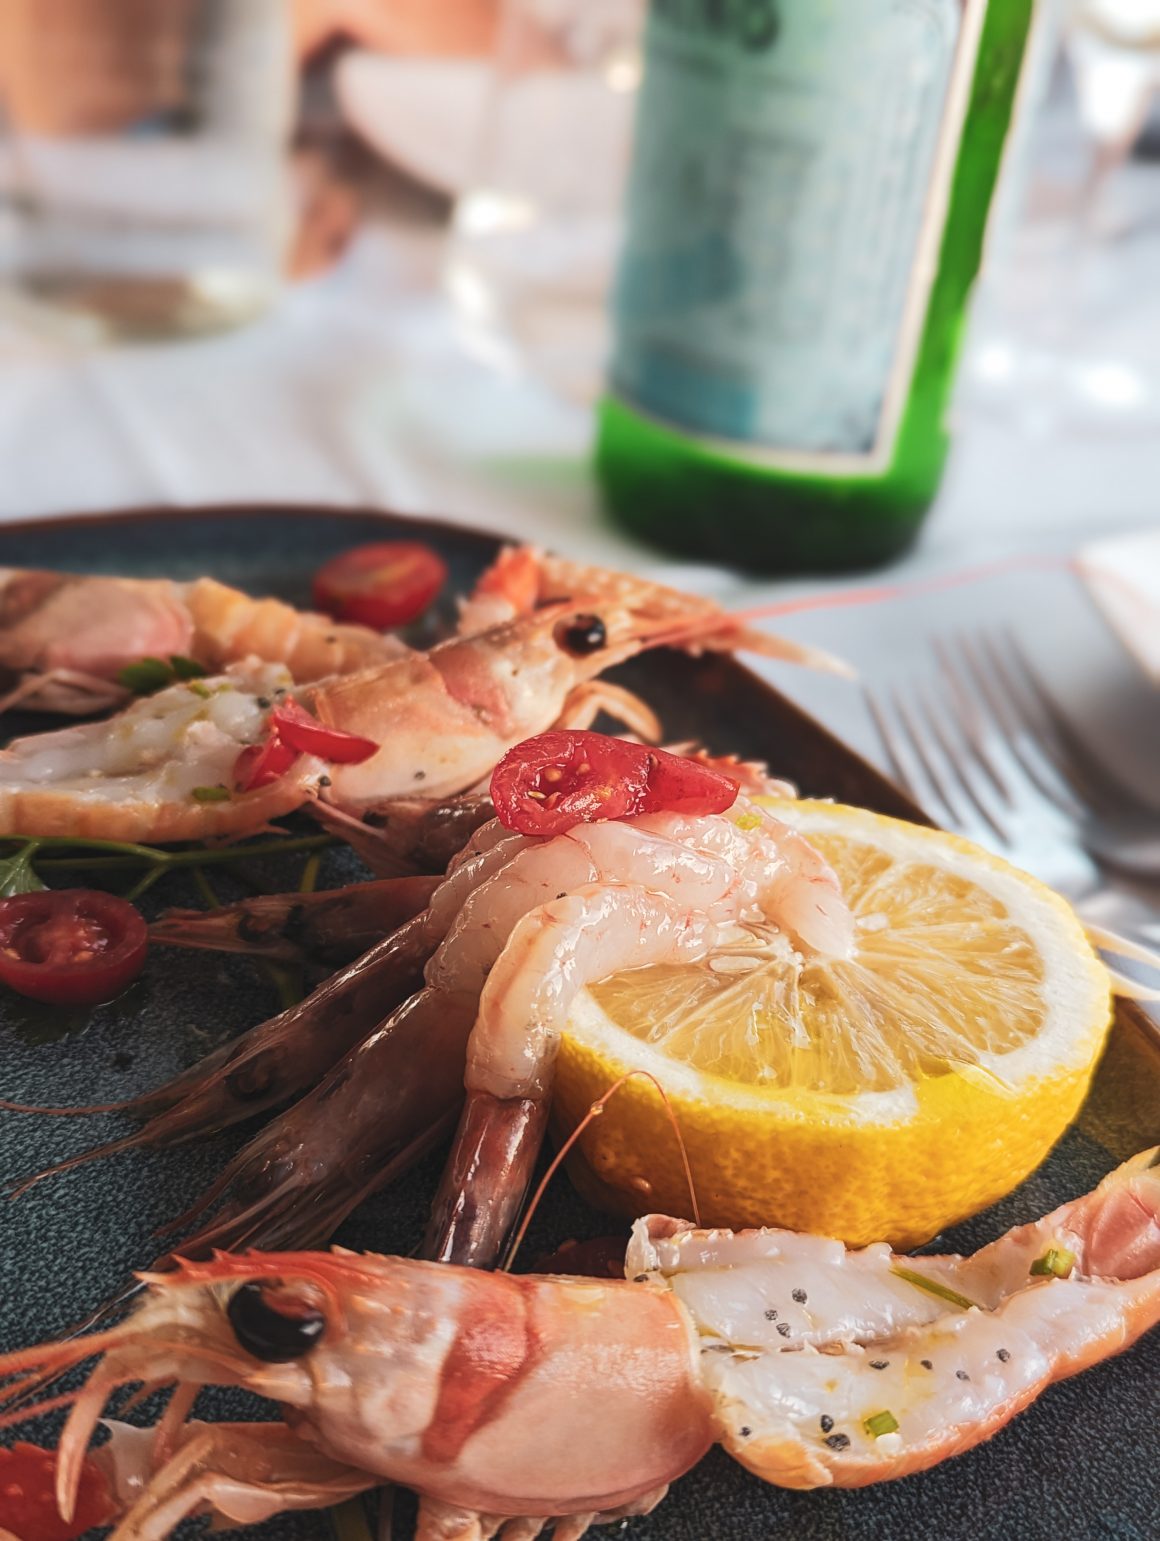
(164, 768)
(394, 1090)
(509, 1401)
(393, 1094)
(64, 639)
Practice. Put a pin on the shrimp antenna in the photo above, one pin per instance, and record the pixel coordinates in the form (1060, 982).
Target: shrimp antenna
(21, 1186)
(592, 1114)
(83, 1110)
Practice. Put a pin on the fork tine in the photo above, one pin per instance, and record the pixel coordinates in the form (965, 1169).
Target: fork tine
(972, 719)
(1110, 793)
(963, 764)
(903, 762)
(1027, 740)
(925, 746)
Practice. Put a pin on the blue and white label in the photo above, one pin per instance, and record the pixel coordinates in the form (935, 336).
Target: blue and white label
(789, 187)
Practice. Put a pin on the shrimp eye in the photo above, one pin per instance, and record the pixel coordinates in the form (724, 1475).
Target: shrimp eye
(272, 1323)
(582, 635)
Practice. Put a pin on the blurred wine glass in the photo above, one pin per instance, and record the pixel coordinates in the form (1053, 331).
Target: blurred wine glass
(1067, 333)
(534, 238)
(143, 158)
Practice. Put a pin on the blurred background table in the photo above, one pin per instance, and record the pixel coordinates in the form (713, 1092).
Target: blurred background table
(356, 390)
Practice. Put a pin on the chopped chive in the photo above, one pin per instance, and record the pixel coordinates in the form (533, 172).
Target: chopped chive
(880, 1423)
(1056, 1263)
(185, 668)
(933, 1287)
(201, 690)
(145, 676)
(211, 794)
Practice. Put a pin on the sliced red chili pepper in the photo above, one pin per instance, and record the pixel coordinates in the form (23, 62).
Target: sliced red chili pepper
(259, 764)
(294, 732)
(70, 946)
(294, 726)
(382, 585)
(550, 783)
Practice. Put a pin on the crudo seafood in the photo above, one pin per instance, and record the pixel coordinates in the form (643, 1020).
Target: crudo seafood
(511, 1401)
(224, 755)
(64, 639)
(382, 1068)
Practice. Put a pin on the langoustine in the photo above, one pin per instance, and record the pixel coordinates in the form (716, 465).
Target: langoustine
(434, 724)
(64, 639)
(510, 1401)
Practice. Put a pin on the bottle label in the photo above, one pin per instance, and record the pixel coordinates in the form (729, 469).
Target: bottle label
(789, 189)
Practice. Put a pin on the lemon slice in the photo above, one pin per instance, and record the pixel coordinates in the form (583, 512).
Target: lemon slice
(876, 1097)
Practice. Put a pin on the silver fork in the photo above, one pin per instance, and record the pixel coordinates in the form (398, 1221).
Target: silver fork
(983, 748)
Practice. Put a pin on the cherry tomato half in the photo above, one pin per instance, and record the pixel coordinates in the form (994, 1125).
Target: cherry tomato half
(381, 585)
(70, 946)
(550, 783)
(28, 1501)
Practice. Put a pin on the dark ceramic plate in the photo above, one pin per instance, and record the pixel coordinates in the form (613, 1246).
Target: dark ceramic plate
(1080, 1463)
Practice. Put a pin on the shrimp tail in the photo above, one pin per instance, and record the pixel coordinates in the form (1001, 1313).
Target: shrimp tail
(333, 927)
(486, 1180)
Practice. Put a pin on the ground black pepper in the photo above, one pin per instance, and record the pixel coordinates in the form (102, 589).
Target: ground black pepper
(827, 1423)
(838, 1441)
(800, 1297)
(1002, 1355)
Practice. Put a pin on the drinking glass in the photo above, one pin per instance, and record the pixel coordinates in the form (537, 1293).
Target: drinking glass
(143, 172)
(534, 238)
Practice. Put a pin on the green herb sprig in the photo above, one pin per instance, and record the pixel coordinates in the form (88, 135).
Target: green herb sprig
(149, 674)
(21, 870)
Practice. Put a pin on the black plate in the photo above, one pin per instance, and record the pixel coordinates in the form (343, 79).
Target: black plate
(1080, 1463)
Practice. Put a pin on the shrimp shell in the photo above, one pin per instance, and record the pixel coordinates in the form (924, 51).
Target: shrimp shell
(509, 1401)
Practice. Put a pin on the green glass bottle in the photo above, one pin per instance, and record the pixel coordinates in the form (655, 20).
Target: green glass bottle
(806, 213)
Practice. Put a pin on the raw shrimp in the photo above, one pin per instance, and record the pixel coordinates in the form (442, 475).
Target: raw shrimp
(442, 720)
(704, 875)
(309, 1168)
(887, 1364)
(335, 926)
(153, 771)
(65, 639)
(511, 1401)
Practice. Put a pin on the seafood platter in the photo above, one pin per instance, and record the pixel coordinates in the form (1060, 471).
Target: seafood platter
(478, 1061)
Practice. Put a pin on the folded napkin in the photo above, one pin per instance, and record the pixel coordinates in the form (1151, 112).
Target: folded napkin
(1123, 575)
